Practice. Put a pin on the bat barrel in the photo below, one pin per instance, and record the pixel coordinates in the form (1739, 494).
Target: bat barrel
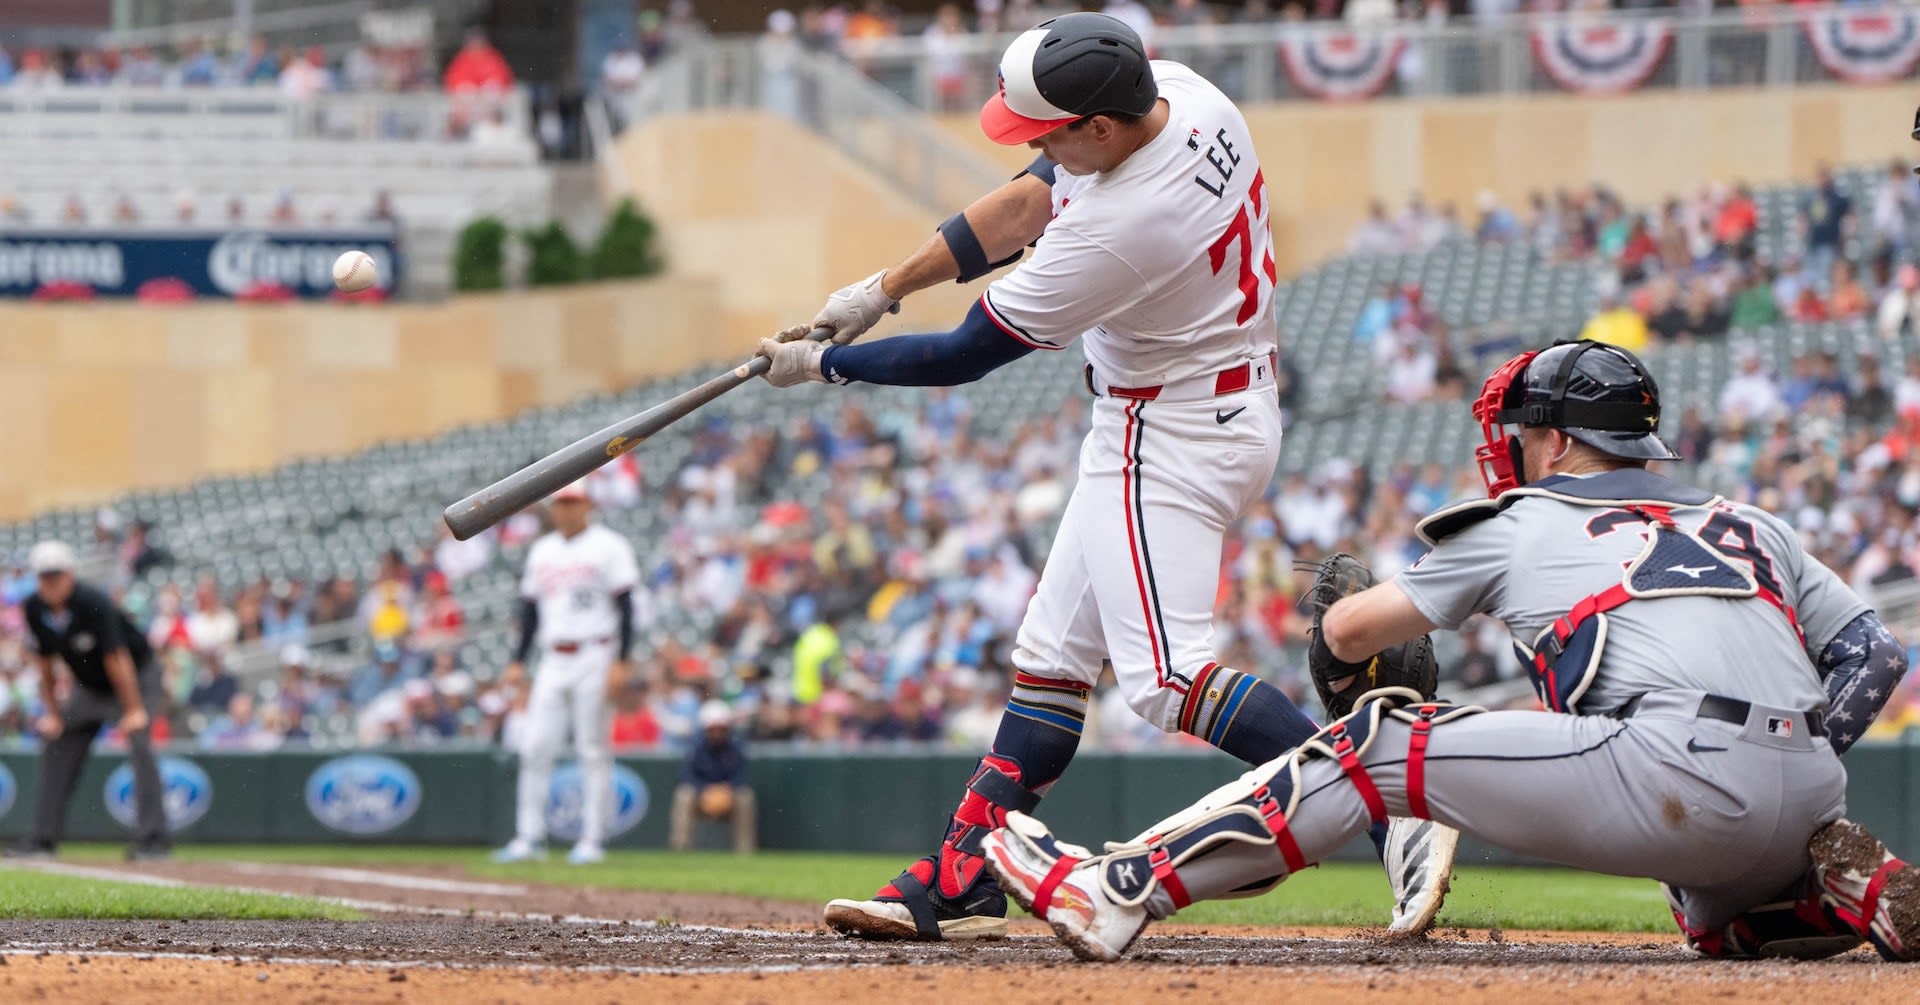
(549, 474)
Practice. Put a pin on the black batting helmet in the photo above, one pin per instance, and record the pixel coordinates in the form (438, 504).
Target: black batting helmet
(1066, 69)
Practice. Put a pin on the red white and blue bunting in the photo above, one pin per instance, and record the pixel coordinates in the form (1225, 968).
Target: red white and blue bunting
(1866, 46)
(1593, 57)
(1342, 66)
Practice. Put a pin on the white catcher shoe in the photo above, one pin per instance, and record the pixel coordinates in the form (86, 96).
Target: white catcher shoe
(1419, 861)
(1060, 884)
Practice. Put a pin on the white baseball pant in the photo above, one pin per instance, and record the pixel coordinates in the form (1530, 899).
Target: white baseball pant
(568, 687)
(1135, 566)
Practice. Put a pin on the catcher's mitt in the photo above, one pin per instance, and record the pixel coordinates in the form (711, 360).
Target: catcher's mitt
(1410, 664)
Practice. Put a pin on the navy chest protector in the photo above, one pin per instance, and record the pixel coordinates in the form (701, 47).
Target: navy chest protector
(1675, 562)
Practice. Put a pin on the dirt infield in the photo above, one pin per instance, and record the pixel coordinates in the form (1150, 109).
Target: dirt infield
(437, 937)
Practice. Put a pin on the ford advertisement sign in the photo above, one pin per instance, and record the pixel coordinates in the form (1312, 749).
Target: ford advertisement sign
(214, 264)
(189, 793)
(363, 794)
(566, 799)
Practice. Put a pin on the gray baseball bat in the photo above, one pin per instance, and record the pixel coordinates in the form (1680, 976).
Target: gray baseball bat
(547, 475)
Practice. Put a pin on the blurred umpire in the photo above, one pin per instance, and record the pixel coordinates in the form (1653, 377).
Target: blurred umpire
(115, 680)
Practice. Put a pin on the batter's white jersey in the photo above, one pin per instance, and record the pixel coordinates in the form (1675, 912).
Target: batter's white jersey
(573, 582)
(1165, 263)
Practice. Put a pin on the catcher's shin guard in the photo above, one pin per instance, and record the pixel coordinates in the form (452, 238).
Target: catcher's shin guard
(1237, 841)
(1795, 928)
(1868, 890)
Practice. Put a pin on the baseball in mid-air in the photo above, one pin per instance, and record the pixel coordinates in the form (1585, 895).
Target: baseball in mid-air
(355, 271)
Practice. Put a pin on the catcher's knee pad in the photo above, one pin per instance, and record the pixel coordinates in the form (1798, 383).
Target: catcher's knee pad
(1222, 846)
(1796, 928)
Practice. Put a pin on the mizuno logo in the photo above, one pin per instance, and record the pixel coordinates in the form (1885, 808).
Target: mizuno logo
(1225, 417)
(1691, 572)
(1694, 747)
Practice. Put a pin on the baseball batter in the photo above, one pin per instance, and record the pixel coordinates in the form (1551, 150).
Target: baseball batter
(1709, 673)
(576, 604)
(1150, 213)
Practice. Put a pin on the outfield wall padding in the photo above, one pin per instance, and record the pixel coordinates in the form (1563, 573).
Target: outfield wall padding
(892, 801)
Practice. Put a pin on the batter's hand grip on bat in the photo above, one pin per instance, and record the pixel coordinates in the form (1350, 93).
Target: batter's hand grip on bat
(547, 475)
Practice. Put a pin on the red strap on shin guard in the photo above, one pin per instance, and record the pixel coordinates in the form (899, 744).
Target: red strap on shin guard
(1417, 763)
(1870, 904)
(1357, 773)
(1269, 808)
(1162, 864)
(1043, 894)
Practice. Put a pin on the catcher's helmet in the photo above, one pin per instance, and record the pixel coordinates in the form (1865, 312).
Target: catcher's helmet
(1070, 67)
(1596, 393)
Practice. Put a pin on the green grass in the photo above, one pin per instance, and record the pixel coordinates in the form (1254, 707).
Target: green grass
(1334, 894)
(25, 893)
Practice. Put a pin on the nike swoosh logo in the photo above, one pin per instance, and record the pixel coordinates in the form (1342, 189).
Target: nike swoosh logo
(1225, 417)
(1694, 747)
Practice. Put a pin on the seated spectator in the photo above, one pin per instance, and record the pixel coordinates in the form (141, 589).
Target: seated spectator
(1379, 315)
(198, 66)
(1703, 317)
(213, 687)
(1752, 395)
(1809, 307)
(386, 673)
(1616, 324)
(1735, 223)
(1412, 375)
(1640, 255)
(212, 628)
(1869, 400)
(634, 724)
(1496, 224)
(257, 66)
(1753, 304)
(440, 621)
(1376, 234)
(1897, 308)
(478, 66)
(1666, 315)
(141, 68)
(237, 729)
(1848, 299)
(713, 783)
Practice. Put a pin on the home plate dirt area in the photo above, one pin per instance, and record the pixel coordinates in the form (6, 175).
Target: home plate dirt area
(433, 938)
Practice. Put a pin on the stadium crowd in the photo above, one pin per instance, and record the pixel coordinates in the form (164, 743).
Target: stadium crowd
(1692, 268)
(886, 612)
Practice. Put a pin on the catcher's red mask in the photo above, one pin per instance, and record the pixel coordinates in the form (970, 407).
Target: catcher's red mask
(1499, 457)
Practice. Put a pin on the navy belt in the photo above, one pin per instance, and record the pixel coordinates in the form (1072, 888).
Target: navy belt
(1728, 710)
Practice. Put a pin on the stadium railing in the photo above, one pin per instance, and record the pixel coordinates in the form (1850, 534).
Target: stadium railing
(1728, 48)
(866, 121)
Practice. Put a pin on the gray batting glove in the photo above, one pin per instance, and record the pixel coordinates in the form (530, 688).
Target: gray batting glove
(793, 362)
(855, 309)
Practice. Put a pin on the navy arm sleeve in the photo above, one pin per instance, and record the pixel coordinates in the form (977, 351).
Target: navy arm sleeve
(623, 610)
(529, 624)
(961, 356)
(1863, 664)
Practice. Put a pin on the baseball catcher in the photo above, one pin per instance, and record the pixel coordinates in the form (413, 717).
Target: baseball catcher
(1707, 672)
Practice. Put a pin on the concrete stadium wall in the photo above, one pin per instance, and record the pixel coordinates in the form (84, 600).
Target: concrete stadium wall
(778, 218)
(102, 398)
(1324, 162)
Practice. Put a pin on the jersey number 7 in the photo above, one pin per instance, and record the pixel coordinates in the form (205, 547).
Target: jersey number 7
(1241, 232)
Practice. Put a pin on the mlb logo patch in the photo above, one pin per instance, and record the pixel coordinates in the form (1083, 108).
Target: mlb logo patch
(1779, 727)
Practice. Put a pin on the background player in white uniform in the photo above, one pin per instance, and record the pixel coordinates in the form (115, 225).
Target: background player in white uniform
(1700, 656)
(576, 604)
(1150, 213)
